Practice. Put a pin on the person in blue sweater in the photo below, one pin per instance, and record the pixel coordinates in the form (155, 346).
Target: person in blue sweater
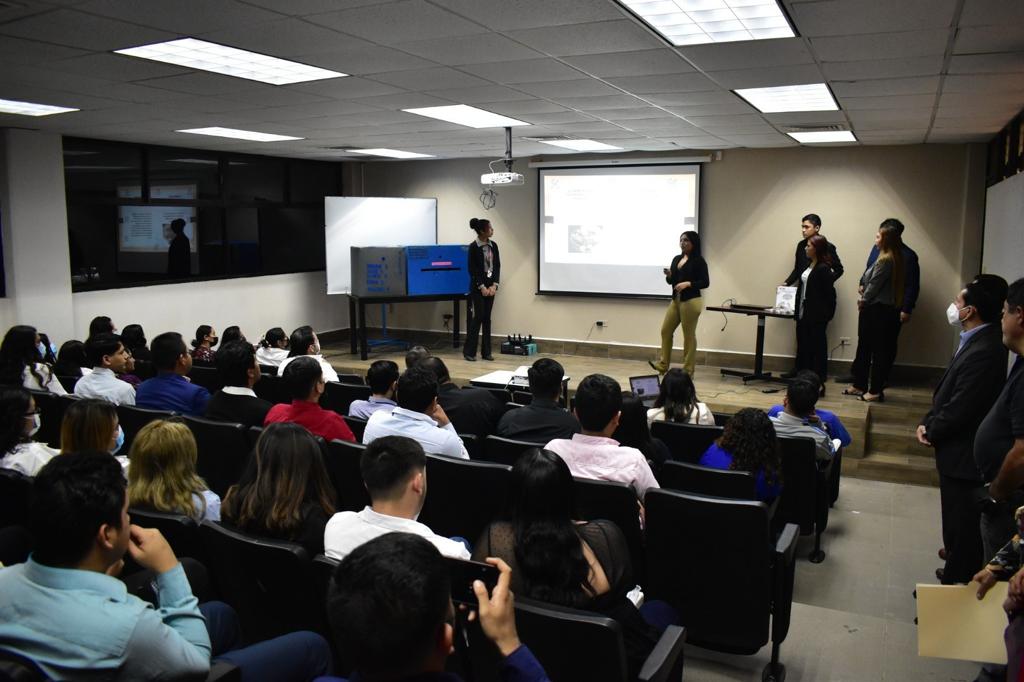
(828, 419)
(748, 443)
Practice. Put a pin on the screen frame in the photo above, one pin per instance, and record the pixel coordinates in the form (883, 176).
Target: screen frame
(540, 222)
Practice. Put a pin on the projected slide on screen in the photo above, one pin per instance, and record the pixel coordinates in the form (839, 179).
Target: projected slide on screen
(611, 230)
(147, 229)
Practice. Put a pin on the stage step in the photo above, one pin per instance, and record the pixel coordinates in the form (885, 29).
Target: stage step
(893, 468)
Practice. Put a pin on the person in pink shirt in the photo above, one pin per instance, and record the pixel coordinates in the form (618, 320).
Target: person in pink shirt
(594, 453)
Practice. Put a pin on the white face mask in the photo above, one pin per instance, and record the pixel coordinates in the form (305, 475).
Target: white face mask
(36, 423)
(953, 314)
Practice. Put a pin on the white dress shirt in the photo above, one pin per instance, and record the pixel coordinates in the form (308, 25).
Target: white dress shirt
(28, 458)
(329, 373)
(701, 415)
(102, 383)
(604, 459)
(50, 381)
(438, 440)
(348, 530)
(271, 356)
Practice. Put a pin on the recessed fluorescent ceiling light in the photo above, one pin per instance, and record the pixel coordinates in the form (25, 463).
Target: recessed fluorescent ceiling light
(813, 97)
(239, 134)
(465, 115)
(12, 106)
(692, 22)
(581, 145)
(825, 136)
(392, 153)
(230, 61)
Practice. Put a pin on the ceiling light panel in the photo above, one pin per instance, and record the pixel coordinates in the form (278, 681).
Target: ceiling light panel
(695, 22)
(12, 106)
(390, 153)
(823, 137)
(465, 115)
(236, 134)
(582, 145)
(774, 100)
(229, 61)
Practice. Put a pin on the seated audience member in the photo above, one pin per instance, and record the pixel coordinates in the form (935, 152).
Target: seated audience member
(19, 421)
(582, 565)
(108, 357)
(414, 355)
(21, 362)
(134, 339)
(677, 401)
(797, 419)
(829, 420)
(633, 432)
(237, 402)
(65, 609)
(47, 349)
(128, 375)
(748, 443)
(72, 360)
(593, 453)
(284, 493)
(393, 594)
(304, 342)
(170, 389)
(418, 416)
(232, 333)
(91, 425)
(162, 473)
(471, 409)
(394, 472)
(382, 378)
(273, 347)
(202, 345)
(306, 383)
(101, 325)
(542, 420)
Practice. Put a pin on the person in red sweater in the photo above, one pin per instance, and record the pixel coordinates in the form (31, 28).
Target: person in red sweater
(306, 381)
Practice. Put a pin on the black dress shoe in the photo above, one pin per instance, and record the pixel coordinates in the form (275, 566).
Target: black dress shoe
(469, 358)
(488, 358)
(940, 573)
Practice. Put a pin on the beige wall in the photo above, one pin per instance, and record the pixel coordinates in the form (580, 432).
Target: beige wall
(751, 208)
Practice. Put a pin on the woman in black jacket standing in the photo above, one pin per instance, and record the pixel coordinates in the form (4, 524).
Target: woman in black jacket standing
(688, 274)
(484, 274)
(816, 305)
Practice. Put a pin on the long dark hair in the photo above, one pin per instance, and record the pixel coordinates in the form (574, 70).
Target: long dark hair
(548, 548)
(891, 246)
(101, 325)
(14, 403)
(17, 352)
(750, 438)
(678, 396)
(694, 239)
(71, 359)
(821, 252)
(132, 336)
(633, 431)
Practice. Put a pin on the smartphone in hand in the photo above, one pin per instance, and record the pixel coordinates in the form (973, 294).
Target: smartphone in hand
(463, 573)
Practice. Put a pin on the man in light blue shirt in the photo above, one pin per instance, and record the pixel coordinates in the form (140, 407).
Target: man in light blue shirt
(795, 421)
(382, 378)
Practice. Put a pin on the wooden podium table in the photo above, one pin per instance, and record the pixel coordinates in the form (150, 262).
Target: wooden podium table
(758, 374)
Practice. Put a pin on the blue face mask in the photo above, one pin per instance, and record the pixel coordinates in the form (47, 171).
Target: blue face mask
(120, 440)
(41, 347)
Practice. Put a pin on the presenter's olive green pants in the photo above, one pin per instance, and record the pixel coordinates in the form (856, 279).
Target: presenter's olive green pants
(685, 313)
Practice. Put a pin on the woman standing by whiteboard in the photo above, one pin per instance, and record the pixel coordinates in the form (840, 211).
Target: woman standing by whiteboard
(484, 274)
(688, 274)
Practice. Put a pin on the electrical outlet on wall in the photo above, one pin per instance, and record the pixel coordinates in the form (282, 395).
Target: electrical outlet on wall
(844, 340)
(601, 323)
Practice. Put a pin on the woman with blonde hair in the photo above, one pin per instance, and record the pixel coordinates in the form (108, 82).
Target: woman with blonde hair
(162, 473)
(91, 425)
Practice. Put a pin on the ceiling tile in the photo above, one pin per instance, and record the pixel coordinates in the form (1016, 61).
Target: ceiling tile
(596, 38)
(586, 87)
(992, 12)
(564, 116)
(915, 117)
(305, 7)
(481, 95)
(642, 63)
(345, 88)
(850, 17)
(898, 45)
(529, 106)
(301, 111)
(438, 78)
(117, 67)
(398, 22)
(952, 137)
(272, 97)
(636, 113)
(768, 77)
(598, 103)
(1006, 62)
(888, 86)
(185, 17)
(683, 82)
(982, 39)
(286, 38)
(797, 118)
(736, 107)
(363, 61)
(691, 98)
(404, 100)
(525, 71)
(887, 102)
(77, 29)
(883, 68)
(199, 83)
(19, 51)
(984, 83)
(476, 49)
(504, 15)
(748, 54)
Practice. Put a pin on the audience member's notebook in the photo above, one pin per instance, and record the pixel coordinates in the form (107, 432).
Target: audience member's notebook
(646, 388)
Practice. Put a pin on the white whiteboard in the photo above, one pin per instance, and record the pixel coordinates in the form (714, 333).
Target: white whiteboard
(372, 221)
(1003, 253)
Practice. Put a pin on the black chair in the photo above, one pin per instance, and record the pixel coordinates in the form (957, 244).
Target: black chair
(522, 397)
(223, 451)
(180, 531)
(273, 389)
(268, 370)
(616, 502)
(806, 491)
(358, 426)
(268, 582)
(341, 459)
(338, 396)
(500, 393)
(505, 450)
(15, 498)
(691, 537)
(133, 418)
(463, 496)
(472, 444)
(51, 408)
(208, 377)
(722, 418)
(692, 478)
(352, 379)
(17, 668)
(68, 383)
(512, 406)
(686, 442)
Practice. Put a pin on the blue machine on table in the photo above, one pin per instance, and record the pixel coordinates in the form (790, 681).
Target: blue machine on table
(435, 270)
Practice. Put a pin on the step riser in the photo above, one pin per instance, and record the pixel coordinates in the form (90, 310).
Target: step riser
(892, 444)
(893, 473)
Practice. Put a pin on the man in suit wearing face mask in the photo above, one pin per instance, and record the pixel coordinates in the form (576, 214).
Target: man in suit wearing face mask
(965, 393)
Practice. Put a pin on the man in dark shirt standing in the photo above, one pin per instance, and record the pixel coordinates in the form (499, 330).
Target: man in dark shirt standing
(542, 421)
(237, 402)
(810, 225)
(471, 410)
(179, 255)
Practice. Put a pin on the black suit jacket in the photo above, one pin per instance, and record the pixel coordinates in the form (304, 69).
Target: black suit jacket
(820, 301)
(471, 410)
(477, 273)
(967, 390)
(801, 261)
(237, 409)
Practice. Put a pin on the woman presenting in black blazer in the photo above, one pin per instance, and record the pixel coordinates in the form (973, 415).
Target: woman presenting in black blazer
(816, 305)
(484, 273)
(688, 274)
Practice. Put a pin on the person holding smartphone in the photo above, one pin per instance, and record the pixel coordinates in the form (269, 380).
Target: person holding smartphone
(688, 275)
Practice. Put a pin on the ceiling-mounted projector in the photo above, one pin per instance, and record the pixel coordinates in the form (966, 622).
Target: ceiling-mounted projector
(491, 179)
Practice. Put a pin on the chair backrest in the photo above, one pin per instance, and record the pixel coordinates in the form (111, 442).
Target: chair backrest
(522, 397)
(463, 496)
(693, 478)
(268, 582)
(691, 537)
(358, 426)
(208, 377)
(505, 450)
(617, 503)
(473, 444)
(15, 498)
(722, 418)
(133, 418)
(341, 460)
(51, 409)
(17, 668)
(500, 393)
(352, 379)
(686, 442)
(800, 498)
(273, 389)
(180, 531)
(338, 396)
(68, 383)
(268, 370)
(223, 449)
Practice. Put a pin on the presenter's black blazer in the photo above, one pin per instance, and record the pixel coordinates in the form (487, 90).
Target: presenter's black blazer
(477, 274)
(801, 261)
(694, 271)
(819, 302)
(966, 392)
